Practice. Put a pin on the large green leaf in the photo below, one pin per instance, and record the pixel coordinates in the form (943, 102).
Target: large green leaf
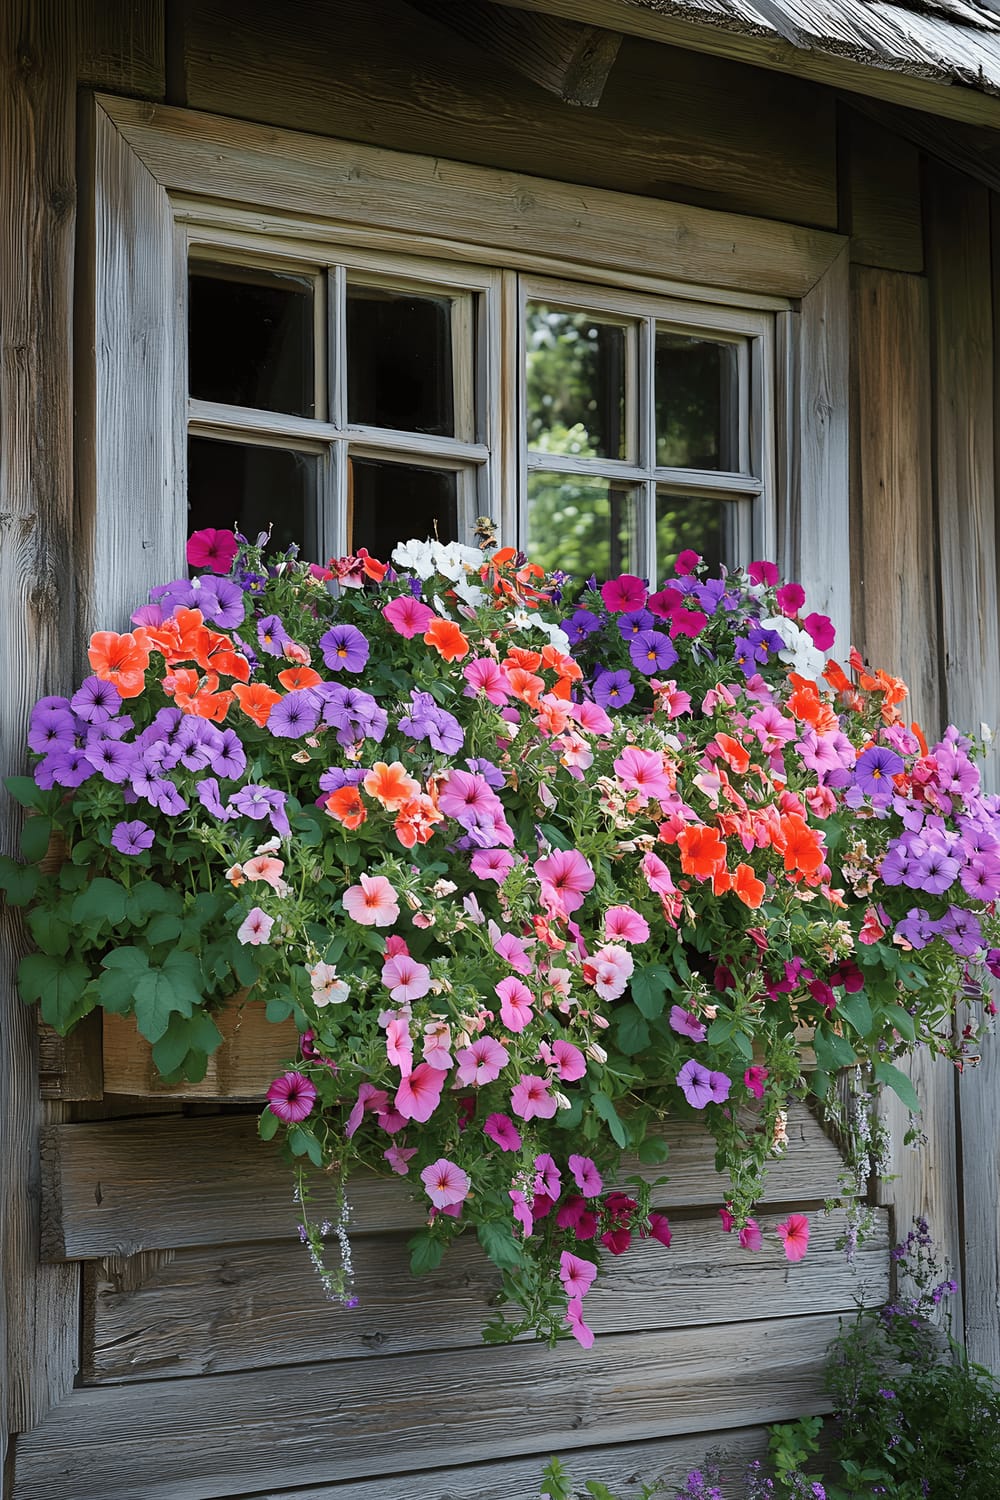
(35, 838)
(101, 900)
(832, 1050)
(649, 988)
(897, 1080)
(501, 1246)
(606, 1109)
(25, 789)
(156, 1000)
(50, 932)
(856, 1011)
(631, 1031)
(121, 972)
(18, 882)
(426, 1252)
(59, 984)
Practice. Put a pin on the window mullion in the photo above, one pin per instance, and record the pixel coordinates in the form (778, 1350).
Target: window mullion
(646, 393)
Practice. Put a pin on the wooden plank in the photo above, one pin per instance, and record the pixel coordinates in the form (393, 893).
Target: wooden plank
(570, 61)
(252, 1052)
(659, 1463)
(670, 125)
(201, 1312)
(131, 355)
(120, 46)
(38, 1305)
(224, 1434)
(496, 211)
(115, 1188)
(817, 520)
(69, 1067)
(702, 28)
(894, 548)
(880, 192)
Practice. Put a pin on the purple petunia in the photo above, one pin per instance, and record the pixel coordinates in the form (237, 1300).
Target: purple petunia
(613, 689)
(344, 648)
(96, 700)
(352, 712)
(132, 838)
(272, 635)
(652, 651)
(875, 769)
(580, 625)
(426, 721)
(53, 724)
(294, 715)
(701, 1086)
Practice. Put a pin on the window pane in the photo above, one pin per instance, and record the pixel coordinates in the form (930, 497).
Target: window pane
(705, 526)
(399, 361)
(248, 489)
(390, 503)
(576, 383)
(250, 339)
(697, 403)
(581, 525)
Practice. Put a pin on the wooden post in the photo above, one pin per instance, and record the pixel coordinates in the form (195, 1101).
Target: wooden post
(38, 1313)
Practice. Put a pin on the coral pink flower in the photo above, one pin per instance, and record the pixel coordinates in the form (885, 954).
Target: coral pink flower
(586, 1176)
(372, 903)
(437, 1044)
(577, 1327)
(419, 1094)
(642, 771)
(399, 1045)
(609, 971)
(481, 1062)
(261, 867)
(502, 1130)
(625, 925)
(255, 927)
(405, 979)
(445, 1183)
(795, 1233)
(291, 1097)
(530, 1098)
(575, 1274)
(408, 616)
(566, 878)
(516, 1002)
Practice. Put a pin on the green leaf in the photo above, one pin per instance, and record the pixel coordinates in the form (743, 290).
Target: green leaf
(743, 1044)
(832, 1050)
(148, 898)
(50, 932)
(60, 987)
(197, 1033)
(164, 928)
(426, 1252)
(598, 1490)
(304, 1143)
(902, 1021)
(631, 1031)
(25, 789)
(267, 1125)
(101, 900)
(501, 1246)
(121, 972)
(156, 1000)
(856, 1011)
(897, 1080)
(555, 836)
(278, 1010)
(185, 974)
(649, 988)
(35, 838)
(19, 882)
(606, 1109)
(653, 1151)
(722, 1029)
(243, 963)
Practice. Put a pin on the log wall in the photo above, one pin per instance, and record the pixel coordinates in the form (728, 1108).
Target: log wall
(171, 1289)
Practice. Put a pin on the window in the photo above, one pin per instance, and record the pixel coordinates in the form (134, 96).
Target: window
(373, 344)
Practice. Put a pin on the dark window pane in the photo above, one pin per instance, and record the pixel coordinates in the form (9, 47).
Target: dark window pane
(576, 383)
(581, 525)
(697, 406)
(399, 365)
(250, 339)
(694, 522)
(390, 503)
(247, 489)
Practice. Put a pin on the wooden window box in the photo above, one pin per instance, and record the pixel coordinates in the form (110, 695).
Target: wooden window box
(254, 1051)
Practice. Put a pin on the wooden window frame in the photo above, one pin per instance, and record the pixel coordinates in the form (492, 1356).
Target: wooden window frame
(157, 179)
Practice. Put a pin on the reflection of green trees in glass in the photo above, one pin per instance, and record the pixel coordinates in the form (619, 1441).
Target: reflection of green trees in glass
(689, 522)
(580, 525)
(576, 378)
(696, 403)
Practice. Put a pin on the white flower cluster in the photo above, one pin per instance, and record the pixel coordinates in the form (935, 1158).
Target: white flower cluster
(800, 653)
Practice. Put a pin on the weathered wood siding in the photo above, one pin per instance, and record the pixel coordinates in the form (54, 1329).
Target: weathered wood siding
(180, 1225)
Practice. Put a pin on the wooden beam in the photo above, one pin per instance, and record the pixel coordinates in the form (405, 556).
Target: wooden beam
(699, 29)
(566, 59)
(120, 46)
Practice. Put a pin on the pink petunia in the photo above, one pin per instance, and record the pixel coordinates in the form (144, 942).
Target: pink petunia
(623, 594)
(492, 864)
(419, 1094)
(481, 1062)
(398, 1158)
(485, 676)
(591, 717)
(399, 1045)
(763, 572)
(405, 979)
(291, 1097)
(642, 772)
(567, 1060)
(609, 971)
(516, 1003)
(754, 1079)
(407, 616)
(212, 549)
(255, 927)
(577, 1327)
(624, 925)
(795, 1233)
(445, 1183)
(530, 1098)
(576, 1275)
(503, 1132)
(821, 630)
(566, 878)
(686, 562)
(751, 1237)
(369, 1099)
(658, 876)
(372, 903)
(548, 1178)
(522, 1211)
(659, 1229)
(510, 950)
(791, 597)
(586, 1176)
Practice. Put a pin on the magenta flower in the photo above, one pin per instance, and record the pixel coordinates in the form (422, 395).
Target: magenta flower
(686, 1024)
(407, 616)
(291, 1097)
(548, 1178)
(659, 1229)
(445, 1183)
(576, 1275)
(751, 1237)
(566, 1059)
(522, 1211)
(686, 563)
(132, 838)
(791, 597)
(566, 878)
(623, 594)
(821, 630)
(255, 927)
(492, 864)
(795, 1234)
(763, 572)
(485, 676)
(516, 1003)
(212, 549)
(503, 1132)
(369, 1100)
(754, 1079)
(530, 1098)
(419, 1094)
(586, 1176)
(481, 1062)
(642, 771)
(577, 1327)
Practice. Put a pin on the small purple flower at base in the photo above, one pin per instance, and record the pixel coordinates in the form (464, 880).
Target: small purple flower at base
(613, 689)
(291, 1097)
(875, 768)
(132, 838)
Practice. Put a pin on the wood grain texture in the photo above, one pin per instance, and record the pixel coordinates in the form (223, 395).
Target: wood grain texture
(205, 1311)
(38, 1305)
(253, 1050)
(120, 46)
(880, 195)
(69, 1067)
(670, 124)
(119, 1187)
(225, 1434)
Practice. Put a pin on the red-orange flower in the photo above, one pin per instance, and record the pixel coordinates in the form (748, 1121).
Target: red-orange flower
(702, 850)
(346, 806)
(446, 638)
(120, 659)
(256, 700)
(294, 678)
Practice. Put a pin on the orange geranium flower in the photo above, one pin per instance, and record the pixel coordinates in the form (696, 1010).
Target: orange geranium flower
(517, 656)
(346, 806)
(801, 845)
(256, 700)
(121, 659)
(390, 785)
(446, 638)
(702, 850)
(733, 753)
(526, 686)
(747, 886)
(294, 678)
